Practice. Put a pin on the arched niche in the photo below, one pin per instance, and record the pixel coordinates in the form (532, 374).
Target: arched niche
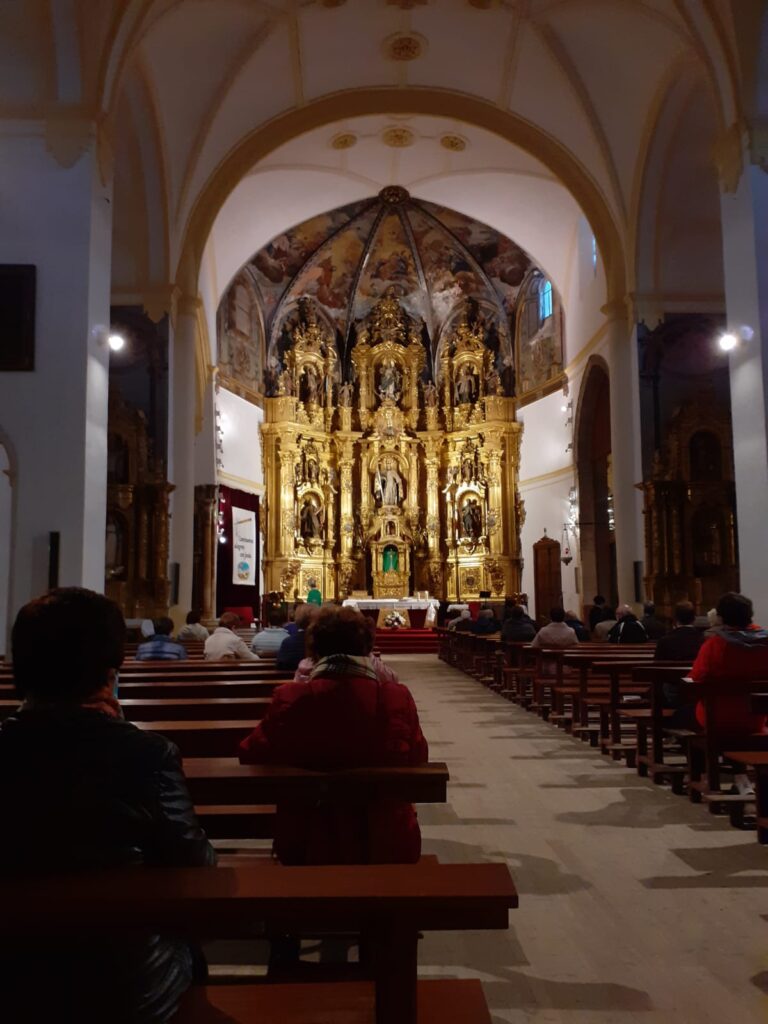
(593, 466)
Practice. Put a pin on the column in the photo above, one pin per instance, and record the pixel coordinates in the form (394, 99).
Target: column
(745, 250)
(181, 449)
(626, 454)
(57, 217)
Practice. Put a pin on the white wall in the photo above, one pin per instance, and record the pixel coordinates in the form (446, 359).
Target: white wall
(5, 546)
(58, 219)
(241, 455)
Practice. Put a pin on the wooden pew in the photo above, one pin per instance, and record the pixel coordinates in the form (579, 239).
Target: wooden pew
(653, 724)
(203, 738)
(195, 709)
(236, 801)
(758, 760)
(388, 904)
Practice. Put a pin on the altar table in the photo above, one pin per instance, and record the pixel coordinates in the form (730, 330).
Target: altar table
(410, 607)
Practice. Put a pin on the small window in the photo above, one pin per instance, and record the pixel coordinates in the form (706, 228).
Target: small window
(545, 301)
(594, 254)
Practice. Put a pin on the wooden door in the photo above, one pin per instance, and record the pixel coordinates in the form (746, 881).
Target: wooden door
(547, 576)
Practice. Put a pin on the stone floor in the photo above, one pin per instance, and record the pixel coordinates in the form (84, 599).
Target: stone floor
(634, 904)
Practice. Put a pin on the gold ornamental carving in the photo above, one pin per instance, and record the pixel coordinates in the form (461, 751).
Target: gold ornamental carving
(383, 480)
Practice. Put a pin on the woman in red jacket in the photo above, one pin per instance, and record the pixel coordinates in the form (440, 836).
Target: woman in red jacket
(343, 717)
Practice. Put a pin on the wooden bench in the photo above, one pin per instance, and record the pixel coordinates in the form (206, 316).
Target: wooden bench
(388, 904)
(195, 709)
(201, 739)
(235, 801)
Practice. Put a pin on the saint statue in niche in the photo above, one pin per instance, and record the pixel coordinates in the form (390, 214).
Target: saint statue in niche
(472, 519)
(311, 520)
(391, 381)
(430, 395)
(390, 559)
(312, 382)
(388, 484)
(466, 386)
(346, 393)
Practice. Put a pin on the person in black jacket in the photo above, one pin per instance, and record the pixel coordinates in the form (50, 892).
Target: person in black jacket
(654, 627)
(292, 649)
(628, 629)
(81, 790)
(517, 627)
(597, 611)
(683, 643)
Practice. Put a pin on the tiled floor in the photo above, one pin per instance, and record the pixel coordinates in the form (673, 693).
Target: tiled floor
(634, 904)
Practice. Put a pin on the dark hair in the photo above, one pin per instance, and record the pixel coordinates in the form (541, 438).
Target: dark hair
(82, 631)
(598, 599)
(649, 608)
(277, 617)
(517, 612)
(338, 631)
(685, 613)
(735, 610)
(557, 614)
(194, 616)
(163, 626)
(610, 613)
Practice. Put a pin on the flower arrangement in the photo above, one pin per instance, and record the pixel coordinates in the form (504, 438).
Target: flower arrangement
(394, 620)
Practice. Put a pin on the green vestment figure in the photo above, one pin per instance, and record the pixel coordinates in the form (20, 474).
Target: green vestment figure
(314, 596)
(391, 559)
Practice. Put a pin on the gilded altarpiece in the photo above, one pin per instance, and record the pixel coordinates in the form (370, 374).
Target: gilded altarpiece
(380, 479)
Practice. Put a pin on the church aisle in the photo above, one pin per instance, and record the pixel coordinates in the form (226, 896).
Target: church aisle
(634, 904)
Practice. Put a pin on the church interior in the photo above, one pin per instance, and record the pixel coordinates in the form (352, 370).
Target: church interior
(423, 308)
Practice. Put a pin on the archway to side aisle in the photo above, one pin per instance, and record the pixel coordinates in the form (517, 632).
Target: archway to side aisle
(594, 472)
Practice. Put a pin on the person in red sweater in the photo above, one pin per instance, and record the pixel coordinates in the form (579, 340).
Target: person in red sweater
(736, 650)
(342, 717)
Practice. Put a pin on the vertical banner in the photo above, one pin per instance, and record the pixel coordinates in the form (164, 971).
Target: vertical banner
(243, 547)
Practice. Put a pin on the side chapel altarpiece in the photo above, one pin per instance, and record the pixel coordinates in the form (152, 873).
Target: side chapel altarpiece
(388, 482)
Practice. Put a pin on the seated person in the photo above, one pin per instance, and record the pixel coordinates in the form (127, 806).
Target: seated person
(555, 635)
(737, 650)
(292, 650)
(464, 622)
(267, 642)
(603, 626)
(290, 627)
(628, 629)
(160, 647)
(194, 629)
(597, 611)
(225, 645)
(684, 641)
(343, 717)
(517, 627)
(487, 623)
(578, 627)
(82, 790)
(654, 628)
(383, 672)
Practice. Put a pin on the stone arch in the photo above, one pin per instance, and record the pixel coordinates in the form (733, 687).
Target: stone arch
(592, 454)
(433, 102)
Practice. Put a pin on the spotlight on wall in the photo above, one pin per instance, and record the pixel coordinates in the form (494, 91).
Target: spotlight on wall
(116, 342)
(728, 342)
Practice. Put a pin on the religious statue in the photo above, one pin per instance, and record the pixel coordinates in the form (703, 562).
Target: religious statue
(472, 519)
(467, 468)
(390, 559)
(493, 382)
(313, 385)
(388, 484)
(451, 478)
(284, 384)
(390, 382)
(466, 386)
(430, 395)
(346, 394)
(311, 520)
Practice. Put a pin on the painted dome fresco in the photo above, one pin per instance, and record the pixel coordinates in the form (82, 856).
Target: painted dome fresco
(432, 259)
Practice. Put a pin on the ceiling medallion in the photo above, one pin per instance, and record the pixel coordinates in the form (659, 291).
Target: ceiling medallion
(398, 138)
(394, 195)
(405, 46)
(344, 140)
(455, 143)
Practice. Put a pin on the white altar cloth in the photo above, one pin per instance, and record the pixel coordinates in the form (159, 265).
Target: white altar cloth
(397, 604)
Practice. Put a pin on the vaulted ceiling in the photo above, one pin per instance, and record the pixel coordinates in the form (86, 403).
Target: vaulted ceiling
(568, 94)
